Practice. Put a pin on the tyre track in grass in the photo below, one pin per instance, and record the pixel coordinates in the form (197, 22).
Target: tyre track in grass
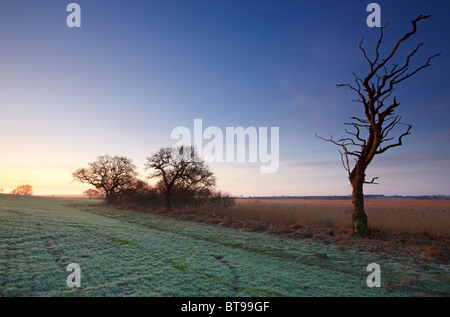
(56, 256)
(244, 260)
(17, 225)
(241, 247)
(245, 263)
(310, 259)
(152, 227)
(9, 249)
(233, 272)
(235, 288)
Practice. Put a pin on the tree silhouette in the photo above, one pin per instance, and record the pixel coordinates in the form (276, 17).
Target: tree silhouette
(25, 190)
(179, 170)
(371, 133)
(114, 176)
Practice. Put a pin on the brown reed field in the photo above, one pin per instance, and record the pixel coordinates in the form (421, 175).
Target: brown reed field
(396, 216)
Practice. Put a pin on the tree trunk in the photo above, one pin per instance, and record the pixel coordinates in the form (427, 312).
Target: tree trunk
(359, 218)
(168, 203)
(109, 196)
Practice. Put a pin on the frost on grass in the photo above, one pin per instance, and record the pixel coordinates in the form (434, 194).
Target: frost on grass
(127, 253)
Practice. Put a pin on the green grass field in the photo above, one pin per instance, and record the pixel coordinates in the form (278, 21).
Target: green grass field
(126, 253)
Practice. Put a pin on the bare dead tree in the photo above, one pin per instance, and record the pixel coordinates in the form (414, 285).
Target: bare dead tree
(371, 133)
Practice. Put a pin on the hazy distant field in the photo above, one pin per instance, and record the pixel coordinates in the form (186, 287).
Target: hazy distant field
(126, 253)
(413, 216)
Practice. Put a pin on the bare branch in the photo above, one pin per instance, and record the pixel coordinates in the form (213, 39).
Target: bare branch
(427, 64)
(399, 143)
(372, 181)
(379, 43)
(364, 53)
(345, 163)
(357, 134)
(404, 38)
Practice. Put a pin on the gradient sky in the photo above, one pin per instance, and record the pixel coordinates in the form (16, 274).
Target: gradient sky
(135, 70)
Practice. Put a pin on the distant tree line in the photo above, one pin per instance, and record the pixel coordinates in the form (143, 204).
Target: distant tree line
(184, 181)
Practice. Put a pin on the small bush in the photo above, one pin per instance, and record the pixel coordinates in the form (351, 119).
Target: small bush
(142, 196)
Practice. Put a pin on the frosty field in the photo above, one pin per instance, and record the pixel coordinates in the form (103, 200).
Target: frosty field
(126, 253)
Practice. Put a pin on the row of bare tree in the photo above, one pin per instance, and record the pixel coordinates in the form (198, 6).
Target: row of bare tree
(183, 180)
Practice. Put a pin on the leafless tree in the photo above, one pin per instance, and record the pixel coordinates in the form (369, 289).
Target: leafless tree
(26, 190)
(179, 169)
(371, 132)
(114, 176)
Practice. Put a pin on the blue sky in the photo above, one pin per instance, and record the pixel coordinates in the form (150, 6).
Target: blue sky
(136, 70)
